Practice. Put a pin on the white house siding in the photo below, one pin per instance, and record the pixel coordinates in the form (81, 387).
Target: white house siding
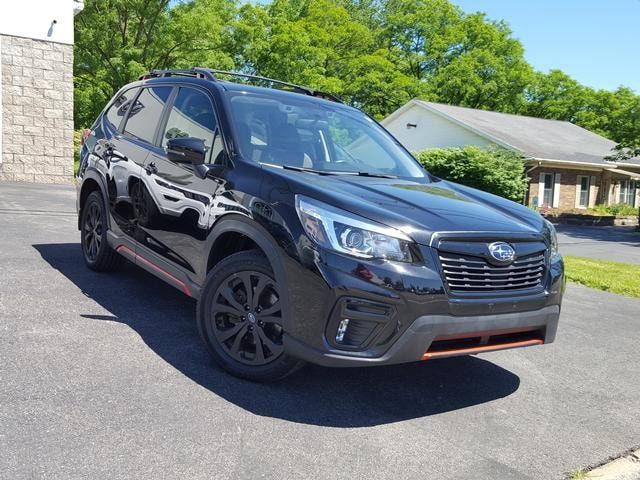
(36, 91)
(431, 131)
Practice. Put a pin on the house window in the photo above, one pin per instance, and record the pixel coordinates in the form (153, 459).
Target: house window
(584, 184)
(547, 196)
(627, 192)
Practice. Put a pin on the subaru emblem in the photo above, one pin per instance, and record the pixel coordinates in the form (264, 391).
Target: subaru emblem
(501, 253)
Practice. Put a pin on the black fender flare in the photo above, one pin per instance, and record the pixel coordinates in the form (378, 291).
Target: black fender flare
(91, 173)
(238, 223)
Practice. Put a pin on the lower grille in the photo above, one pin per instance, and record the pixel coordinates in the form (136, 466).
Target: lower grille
(466, 273)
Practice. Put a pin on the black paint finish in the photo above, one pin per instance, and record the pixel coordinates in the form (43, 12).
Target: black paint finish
(174, 217)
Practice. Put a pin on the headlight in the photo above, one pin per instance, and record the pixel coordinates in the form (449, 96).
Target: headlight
(343, 232)
(551, 236)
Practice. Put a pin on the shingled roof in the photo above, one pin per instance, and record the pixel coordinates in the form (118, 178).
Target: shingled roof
(536, 138)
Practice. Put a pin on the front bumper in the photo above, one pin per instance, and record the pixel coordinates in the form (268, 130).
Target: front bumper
(411, 315)
(509, 331)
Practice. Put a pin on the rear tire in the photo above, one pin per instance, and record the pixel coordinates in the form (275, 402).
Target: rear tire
(240, 319)
(97, 253)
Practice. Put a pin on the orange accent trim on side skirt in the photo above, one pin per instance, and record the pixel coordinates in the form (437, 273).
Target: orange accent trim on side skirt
(483, 348)
(185, 288)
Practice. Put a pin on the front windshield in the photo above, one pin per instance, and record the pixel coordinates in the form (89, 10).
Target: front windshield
(311, 134)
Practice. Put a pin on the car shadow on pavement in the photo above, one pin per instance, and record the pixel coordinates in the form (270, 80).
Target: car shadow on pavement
(354, 397)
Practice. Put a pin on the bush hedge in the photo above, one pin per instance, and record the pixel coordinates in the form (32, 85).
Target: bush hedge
(497, 171)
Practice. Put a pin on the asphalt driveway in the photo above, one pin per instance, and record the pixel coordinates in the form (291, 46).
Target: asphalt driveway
(619, 244)
(103, 376)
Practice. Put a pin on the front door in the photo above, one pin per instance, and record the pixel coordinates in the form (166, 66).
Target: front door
(177, 230)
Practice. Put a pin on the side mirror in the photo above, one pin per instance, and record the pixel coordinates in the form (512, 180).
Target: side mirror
(186, 150)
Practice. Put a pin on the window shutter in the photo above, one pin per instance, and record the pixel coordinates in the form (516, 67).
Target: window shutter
(592, 191)
(577, 199)
(556, 191)
(541, 189)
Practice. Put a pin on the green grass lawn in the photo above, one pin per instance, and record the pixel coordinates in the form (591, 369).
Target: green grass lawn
(614, 277)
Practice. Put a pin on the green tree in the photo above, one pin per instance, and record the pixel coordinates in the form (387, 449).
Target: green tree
(117, 40)
(555, 95)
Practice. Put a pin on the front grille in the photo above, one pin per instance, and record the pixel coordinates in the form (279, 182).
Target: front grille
(466, 273)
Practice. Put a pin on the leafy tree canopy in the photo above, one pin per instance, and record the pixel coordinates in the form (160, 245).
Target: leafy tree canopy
(376, 54)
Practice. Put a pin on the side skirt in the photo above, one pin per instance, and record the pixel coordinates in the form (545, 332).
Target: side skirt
(154, 264)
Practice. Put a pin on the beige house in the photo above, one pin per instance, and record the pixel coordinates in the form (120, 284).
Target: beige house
(566, 163)
(36, 90)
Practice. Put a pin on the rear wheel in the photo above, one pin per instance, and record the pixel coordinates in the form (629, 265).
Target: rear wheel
(240, 319)
(98, 255)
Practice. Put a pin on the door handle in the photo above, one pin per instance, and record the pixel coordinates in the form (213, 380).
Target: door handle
(151, 168)
(113, 154)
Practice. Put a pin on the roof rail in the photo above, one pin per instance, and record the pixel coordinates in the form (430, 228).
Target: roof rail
(184, 72)
(296, 88)
(210, 74)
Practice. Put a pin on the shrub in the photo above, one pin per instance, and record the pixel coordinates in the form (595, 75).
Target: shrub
(618, 209)
(77, 139)
(497, 171)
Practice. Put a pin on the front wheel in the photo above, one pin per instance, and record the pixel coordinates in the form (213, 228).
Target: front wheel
(240, 319)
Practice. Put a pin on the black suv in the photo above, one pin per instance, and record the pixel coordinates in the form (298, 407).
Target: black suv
(305, 231)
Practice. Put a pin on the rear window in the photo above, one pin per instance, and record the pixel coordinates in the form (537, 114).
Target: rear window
(118, 109)
(146, 112)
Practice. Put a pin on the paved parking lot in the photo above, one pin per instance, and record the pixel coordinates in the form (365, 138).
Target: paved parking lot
(619, 244)
(103, 376)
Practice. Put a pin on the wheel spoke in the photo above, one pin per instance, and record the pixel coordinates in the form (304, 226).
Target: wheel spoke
(263, 281)
(275, 308)
(274, 347)
(269, 319)
(227, 293)
(228, 309)
(259, 349)
(235, 347)
(245, 277)
(225, 335)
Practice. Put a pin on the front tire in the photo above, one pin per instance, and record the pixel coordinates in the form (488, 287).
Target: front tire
(98, 255)
(240, 319)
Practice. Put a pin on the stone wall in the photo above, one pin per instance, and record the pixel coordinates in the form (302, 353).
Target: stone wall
(37, 110)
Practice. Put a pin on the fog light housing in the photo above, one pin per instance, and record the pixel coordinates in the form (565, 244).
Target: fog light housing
(342, 329)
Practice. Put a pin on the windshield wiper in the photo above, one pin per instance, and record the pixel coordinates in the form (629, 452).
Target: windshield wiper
(331, 172)
(313, 170)
(375, 175)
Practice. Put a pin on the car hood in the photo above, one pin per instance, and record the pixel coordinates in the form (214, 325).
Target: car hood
(421, 207)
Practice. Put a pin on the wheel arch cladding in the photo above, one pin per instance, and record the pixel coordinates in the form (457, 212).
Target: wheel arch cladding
(247, 233)
(89, 185)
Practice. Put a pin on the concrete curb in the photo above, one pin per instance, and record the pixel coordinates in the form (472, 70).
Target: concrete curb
(626, 467)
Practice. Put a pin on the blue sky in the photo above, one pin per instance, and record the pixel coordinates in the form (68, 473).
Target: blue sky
(597, 42)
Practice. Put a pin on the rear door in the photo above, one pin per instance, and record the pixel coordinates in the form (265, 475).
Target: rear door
(133, 146)
(178, 230)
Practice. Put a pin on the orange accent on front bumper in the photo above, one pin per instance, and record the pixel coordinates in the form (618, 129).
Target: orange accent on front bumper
(483, 348)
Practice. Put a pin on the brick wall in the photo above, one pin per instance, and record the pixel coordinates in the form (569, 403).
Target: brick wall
(568, 182)
(37, 110)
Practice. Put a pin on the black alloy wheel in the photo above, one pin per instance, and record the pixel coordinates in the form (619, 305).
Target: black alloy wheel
(98, 255)
(247, 318)
(241, 319)
(93, 227)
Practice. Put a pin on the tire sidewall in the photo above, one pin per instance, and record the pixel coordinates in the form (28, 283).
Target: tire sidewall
(251, 260)
(93, 198)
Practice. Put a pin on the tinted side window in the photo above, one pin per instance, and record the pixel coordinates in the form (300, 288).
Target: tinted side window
(146, 112)
(192, 115)
(119, 108)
